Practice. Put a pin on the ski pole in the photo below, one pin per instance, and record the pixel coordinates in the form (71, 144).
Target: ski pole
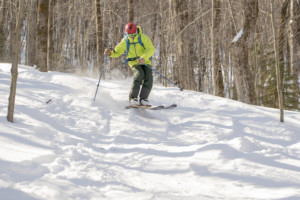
(156, 71)
(100, 77)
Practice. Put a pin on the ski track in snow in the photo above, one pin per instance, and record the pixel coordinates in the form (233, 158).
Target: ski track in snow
(206, 148)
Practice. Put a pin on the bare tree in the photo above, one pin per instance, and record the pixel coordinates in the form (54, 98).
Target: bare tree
(162, 41)
(51, 37)
(42, 35)
(282, 28)
(130, 15)
(3, 29)
(31, 33)
(16, 40)
(185, 67)
(215, 49)
(294, 46)
(291, 36)
(279, 89)
(242, 73)
(294, 36)
(99, 32)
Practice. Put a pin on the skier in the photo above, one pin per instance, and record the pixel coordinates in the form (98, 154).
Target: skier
(139, 52)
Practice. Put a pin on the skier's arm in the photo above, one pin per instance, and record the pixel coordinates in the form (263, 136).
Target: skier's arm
(149, 48)
(119, 49)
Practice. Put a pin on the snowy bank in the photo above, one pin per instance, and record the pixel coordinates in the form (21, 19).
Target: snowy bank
(65, 146)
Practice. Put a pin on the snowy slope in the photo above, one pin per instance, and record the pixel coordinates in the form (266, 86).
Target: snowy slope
(74, 148)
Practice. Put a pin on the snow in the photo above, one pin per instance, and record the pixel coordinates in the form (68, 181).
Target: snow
(206, 148)
(238, 36)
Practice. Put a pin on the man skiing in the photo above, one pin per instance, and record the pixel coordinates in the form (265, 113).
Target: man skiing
(139, 52)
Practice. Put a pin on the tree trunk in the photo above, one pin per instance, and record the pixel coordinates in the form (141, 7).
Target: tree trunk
(31, 34)
(99, 33)
(294, 36)
(294, 41)
(162, 53)
(218, 85)
(16, 39)
(279, 89)
(281, 36)
(185, 71)
(51, 37)
(200, 53)
(42, 35)
(291, 36)
(3, 30)
(281, 30)
(242, 73)
(130, 11)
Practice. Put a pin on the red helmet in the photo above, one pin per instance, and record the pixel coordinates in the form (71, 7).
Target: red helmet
(130, 28)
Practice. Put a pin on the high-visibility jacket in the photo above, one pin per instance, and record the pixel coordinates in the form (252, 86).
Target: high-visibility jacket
(135, 49)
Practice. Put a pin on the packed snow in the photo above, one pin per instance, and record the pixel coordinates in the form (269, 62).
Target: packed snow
(65, 146)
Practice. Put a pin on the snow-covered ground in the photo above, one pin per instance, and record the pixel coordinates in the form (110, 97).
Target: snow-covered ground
(64, 146)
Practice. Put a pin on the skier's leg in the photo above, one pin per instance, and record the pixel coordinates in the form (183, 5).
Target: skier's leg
(138, 77)
(147, 84)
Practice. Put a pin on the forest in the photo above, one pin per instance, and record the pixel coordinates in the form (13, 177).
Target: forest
(245, 50)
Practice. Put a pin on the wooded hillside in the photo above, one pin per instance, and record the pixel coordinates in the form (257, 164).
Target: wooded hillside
(228, 48)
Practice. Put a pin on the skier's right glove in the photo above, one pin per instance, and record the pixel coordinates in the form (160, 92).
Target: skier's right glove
(141, 61)
(107, 52)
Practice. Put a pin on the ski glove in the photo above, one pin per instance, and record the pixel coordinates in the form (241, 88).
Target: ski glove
(107, 52)
(141, 61)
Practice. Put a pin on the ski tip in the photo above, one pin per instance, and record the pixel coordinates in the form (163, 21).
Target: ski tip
(171, 106)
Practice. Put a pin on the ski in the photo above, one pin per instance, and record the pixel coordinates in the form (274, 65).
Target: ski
(145, 107)
(152, 107)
